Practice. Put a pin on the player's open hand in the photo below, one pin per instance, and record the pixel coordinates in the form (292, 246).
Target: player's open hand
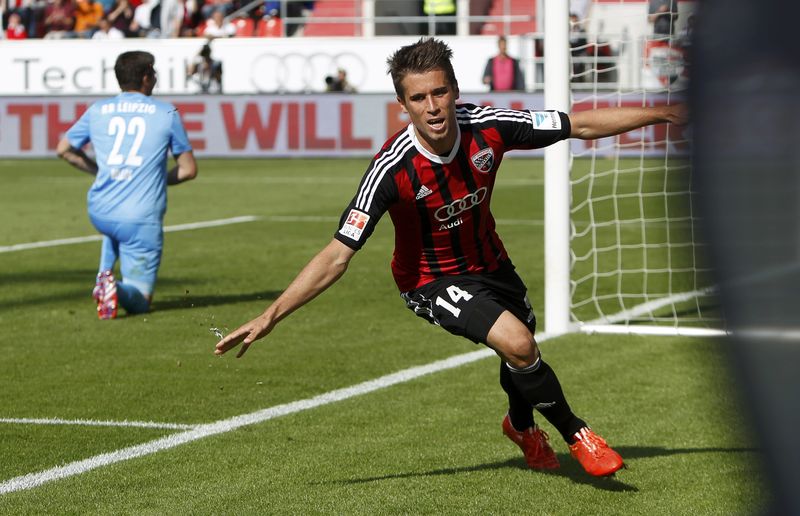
(245, 335)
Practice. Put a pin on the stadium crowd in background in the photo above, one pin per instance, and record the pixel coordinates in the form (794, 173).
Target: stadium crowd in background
(435, 179)
(196, 18)
(56, 19)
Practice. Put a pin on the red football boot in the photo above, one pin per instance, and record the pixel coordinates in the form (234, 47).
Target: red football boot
(594, 454)
(534, 444)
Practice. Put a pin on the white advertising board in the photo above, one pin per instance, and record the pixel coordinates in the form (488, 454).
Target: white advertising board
(250, 65)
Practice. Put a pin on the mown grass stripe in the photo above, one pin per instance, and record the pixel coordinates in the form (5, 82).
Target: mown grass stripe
(32, 480)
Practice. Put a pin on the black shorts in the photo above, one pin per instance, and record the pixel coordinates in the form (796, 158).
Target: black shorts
(469, 305)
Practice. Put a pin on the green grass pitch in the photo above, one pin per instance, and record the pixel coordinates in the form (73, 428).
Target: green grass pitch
(432, 445)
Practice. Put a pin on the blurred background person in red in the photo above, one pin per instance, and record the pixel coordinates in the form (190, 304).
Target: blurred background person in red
(502, 72)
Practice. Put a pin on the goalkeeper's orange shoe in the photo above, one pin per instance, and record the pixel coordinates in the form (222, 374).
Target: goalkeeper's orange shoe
(105, 293)
(534, 444)
(594, 454)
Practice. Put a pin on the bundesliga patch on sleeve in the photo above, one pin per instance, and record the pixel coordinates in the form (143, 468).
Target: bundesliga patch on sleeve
(547, 120)
(354, 225)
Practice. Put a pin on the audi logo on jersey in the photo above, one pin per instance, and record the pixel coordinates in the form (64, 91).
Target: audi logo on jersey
(459, 206)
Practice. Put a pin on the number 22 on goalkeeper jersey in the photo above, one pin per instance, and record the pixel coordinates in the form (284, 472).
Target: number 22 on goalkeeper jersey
(131, 135)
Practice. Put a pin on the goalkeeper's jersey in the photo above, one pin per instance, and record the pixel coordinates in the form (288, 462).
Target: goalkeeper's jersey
(131, 135)
(439, 205)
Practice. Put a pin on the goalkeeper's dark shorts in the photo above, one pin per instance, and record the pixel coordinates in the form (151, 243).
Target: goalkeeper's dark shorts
(469, 305)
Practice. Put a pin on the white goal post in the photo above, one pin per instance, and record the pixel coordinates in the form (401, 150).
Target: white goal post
(622, 250)
(556, 176)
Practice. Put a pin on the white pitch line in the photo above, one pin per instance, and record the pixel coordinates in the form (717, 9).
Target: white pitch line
(91, 422)
(97, 238)
(300, 218)
(654, 305)
(216, 223)
(49, 243)
(210, 223)
(227, 425)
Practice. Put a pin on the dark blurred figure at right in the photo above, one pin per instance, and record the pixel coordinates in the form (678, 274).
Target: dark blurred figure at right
(663, 14)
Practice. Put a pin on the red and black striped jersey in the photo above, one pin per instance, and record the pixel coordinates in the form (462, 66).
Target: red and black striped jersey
(440, 205)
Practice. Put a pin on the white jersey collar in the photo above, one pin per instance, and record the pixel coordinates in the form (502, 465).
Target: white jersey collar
(443, 160)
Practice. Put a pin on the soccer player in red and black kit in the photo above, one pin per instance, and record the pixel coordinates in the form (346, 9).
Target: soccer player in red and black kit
(435, 179)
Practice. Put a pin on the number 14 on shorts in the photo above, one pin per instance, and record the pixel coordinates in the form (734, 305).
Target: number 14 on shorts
(456, 294)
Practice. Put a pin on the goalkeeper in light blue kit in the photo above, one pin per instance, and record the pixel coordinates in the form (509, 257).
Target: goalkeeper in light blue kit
(131, 134)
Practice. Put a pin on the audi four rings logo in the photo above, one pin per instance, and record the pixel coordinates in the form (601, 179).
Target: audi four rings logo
(294, 71)
(459, 206)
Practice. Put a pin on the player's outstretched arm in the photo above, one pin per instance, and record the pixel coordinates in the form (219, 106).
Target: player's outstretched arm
(321, 272)
(76, 157)
(599, 123)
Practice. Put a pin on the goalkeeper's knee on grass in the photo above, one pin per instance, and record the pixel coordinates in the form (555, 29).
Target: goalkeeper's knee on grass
(132, 300)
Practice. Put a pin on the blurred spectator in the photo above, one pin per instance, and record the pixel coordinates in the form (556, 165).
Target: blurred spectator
(577, 33)
(393, 10)
(226, 6)
(478, 8)
(339, 83)
(15, 29)
(272, 5)
(206, 71)
(270, 26)
(578, 47)
(108, 5)
(605, 69)
(580, 8)
(291, 9)
(121, 16)
(172, 14)
(441, 8)
(663, 14)
(687, 33)
(29, 11)
(191, 19)
(107, 31)
(142, 24)
(59, 19)
(685, 38)
(217, 27)
(87, 16)
(502, 72)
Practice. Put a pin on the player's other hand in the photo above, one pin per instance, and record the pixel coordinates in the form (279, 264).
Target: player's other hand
(678, 114)
(245, 335)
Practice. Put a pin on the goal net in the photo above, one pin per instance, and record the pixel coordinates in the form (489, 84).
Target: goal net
(635, 257)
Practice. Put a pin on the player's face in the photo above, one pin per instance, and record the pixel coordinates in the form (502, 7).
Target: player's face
(430, 101)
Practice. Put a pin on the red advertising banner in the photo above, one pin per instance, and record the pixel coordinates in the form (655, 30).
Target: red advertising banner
(324, 125)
